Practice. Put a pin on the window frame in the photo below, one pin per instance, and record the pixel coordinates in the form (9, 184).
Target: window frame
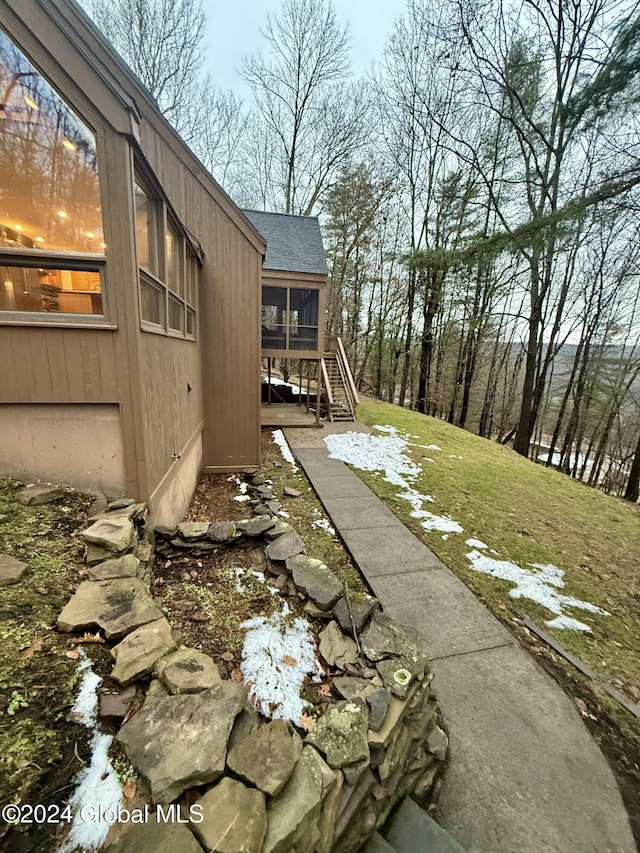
(290, 286)
(60, 260)
(187, 262)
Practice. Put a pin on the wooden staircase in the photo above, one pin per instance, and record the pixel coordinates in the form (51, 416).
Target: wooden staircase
(340, 390)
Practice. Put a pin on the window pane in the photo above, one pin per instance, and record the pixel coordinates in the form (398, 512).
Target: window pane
(49, 290)
(191, 323)
(304, 337)
(176, 314)
(174, 259)
(303, 304)
(49, 190)
(145, 230)
(151, 302)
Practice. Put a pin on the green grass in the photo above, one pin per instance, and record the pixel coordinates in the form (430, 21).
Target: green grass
(529, 514)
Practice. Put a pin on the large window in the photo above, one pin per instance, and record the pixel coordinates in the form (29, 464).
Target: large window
(290, 318)
(52, 249)
(168, 267)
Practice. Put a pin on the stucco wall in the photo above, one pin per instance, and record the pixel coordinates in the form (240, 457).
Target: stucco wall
(78, 445)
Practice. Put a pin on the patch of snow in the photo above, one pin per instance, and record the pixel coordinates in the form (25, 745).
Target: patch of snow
(323, 524)
(283, 513)
(540, 585)
(281, 441)
(96, 785)
(276, 658)
(475, 543)
(432, 447)
(275, 380)
(445, 536)
(387, 453)
(241, 498)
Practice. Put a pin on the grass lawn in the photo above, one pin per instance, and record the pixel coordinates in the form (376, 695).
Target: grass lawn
(528, 514)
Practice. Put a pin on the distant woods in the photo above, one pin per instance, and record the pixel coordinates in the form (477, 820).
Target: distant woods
(478, 192)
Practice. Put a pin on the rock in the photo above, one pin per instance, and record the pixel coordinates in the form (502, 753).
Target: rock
(437, 743)
(266, 757)
(341, 734)
(285, 546)
(353, 772)
(274, 507)
(137, 653)
(116, 705)
(144, 551)
(155, 837)
(120, 503)
(298, 803)
(235, 819)
(114, 534)
(264, 492)
(34, 495)
(316, 580)
(279, 528)
(222, 531)
(378, 701)
(95, 554)
(290, 492)
(192, 530)
(258, 480)
(98, 506)
(398, 673)
(127, 566)
(134, 511)
(313, 610)
(254, 527)
(393, 718)
(246, 722)
(384, 638)
(187, 671)
(350, 687)
(361, 607)
(11, 569)
(177, 742)
(165, 533)
(336, 648)
(117, 606)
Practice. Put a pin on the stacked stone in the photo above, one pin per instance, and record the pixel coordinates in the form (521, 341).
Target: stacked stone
(269, 787)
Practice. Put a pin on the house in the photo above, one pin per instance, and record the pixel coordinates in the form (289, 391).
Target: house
(130, 333)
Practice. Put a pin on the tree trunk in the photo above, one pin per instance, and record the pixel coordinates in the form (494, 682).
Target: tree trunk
(632, 491)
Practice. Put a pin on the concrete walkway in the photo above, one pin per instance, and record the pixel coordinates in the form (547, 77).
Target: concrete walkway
(524, 775)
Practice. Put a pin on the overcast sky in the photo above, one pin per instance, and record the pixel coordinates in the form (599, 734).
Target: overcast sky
(233, 31)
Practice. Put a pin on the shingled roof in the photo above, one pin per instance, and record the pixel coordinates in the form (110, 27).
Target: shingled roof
(294, 243)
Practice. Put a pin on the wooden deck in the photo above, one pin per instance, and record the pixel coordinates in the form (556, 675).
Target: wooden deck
(287, 415)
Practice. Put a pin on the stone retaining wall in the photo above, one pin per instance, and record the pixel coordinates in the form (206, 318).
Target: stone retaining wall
(261, 786)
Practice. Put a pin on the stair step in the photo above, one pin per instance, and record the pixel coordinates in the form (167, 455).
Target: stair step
(413, 830)
(377, 844)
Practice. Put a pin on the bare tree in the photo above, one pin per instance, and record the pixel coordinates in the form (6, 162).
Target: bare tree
(312, 120)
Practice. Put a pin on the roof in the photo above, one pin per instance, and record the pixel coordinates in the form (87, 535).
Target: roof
(294, 243)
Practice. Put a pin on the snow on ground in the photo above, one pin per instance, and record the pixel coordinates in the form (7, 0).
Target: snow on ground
(475, 543)
(323, 524)
(97, 785)
(281, 441)
(370, 452)
(277, 656)
(275, 380)
(540, 585)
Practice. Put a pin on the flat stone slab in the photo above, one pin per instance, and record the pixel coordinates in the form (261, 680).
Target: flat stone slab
(287, 545)
(384, 638)
(361, 512)
(388, 551)
(289, 812)
(279, 528)
(266, 757)
(355, 611)
(11, 569)
(193, 529)
(154, 837)
(117, 606)
(257, 526)
(316, 580)
(352, 687)
(127, 566)
(337, 648)
(177, 742)
(137, 653)
(341, 734)
(222, 531)
(35, 495)
(115, 534)
(187, 671)
(235, 818)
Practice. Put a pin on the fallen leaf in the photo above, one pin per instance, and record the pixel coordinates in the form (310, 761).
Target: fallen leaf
(129, 789)
(88, 638)
(307, 722)
(289, 660)
(34, 646)
(324, 690)
(72, 654)
(236, 676)
(228, 656)
(43, 590)
(582, 707)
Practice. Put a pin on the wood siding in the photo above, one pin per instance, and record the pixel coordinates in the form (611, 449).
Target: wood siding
(146, 374)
